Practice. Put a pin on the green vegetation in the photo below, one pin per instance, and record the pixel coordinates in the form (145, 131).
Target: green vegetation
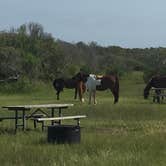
(33, 54)
(129, 133)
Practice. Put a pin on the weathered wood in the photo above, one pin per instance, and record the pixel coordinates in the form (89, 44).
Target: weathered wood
(59, 119)
(28, 107)
(24, 108)
(62, 118)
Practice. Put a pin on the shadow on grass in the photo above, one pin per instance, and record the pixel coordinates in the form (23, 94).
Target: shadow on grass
(6, 130)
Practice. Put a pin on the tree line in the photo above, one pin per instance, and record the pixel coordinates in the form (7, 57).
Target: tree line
(35, 54)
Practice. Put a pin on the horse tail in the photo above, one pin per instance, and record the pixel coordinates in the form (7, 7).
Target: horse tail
(54, 84)
(116, 89)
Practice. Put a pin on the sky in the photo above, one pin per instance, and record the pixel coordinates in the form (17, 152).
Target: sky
(124, 23)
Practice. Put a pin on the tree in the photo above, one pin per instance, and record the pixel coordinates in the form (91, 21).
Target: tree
(10, 63)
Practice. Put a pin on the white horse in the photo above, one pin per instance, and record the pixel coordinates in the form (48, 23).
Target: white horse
(91, 84)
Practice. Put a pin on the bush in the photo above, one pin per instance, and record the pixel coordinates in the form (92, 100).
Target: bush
(152, 72)
(23, 85)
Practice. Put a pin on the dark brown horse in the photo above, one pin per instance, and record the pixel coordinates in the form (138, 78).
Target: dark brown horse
(71, 83)
(156, 82)
(107, 82)
(110, 82)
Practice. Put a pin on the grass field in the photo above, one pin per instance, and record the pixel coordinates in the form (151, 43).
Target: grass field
(130, 133)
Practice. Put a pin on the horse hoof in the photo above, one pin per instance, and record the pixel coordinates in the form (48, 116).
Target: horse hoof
(83, 100)
(95, 102)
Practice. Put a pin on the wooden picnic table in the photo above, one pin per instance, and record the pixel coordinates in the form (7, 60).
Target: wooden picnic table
(26, 108)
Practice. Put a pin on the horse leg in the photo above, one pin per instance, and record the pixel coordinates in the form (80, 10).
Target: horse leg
(58, 92)
(79, 91)
(154, 99)
(94, 97)
(90, 96)
(75, 96)
(158, 99)
(83, 89)
(116, 96)
(79, 87)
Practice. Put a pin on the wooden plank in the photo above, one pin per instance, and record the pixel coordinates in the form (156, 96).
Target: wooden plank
(27, 107)
(62, 118)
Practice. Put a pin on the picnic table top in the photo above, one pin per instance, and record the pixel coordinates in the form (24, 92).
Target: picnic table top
(28, 107)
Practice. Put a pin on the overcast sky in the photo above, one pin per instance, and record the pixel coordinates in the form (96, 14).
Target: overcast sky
(125, 23)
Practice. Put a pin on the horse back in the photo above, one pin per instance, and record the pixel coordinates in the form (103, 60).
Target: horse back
(70, 83)
(158, 81)
(109, 80)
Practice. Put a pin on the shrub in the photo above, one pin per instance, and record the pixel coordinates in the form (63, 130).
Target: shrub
(23, 85)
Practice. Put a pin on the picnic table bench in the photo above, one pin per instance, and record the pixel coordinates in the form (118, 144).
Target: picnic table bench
(23, 109)
(59, 133)
(158, 94)
(38, 115)
(59, 119)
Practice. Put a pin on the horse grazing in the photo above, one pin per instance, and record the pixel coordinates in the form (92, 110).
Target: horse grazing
(106, 82)
(156, 82)
(61, 83)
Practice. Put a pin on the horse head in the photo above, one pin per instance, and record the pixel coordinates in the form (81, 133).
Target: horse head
(148, 87)
(146, 93)
(81, 77)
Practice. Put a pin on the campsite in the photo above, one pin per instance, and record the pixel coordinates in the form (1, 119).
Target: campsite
(82, 83)
(131, 132)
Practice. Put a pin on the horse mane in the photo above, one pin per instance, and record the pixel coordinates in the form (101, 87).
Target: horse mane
(80, 77)
(157, 81)
(148, 87)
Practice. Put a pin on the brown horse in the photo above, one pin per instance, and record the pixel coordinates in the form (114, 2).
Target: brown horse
(110, 82)
(107, 82)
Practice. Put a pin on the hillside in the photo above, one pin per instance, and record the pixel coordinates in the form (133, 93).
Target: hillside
(37, 55)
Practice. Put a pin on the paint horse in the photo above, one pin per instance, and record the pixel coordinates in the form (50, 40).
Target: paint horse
(107, 82)
(71, 83)
(156, 82)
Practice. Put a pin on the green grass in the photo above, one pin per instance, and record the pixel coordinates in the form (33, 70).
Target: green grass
(132, 132)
